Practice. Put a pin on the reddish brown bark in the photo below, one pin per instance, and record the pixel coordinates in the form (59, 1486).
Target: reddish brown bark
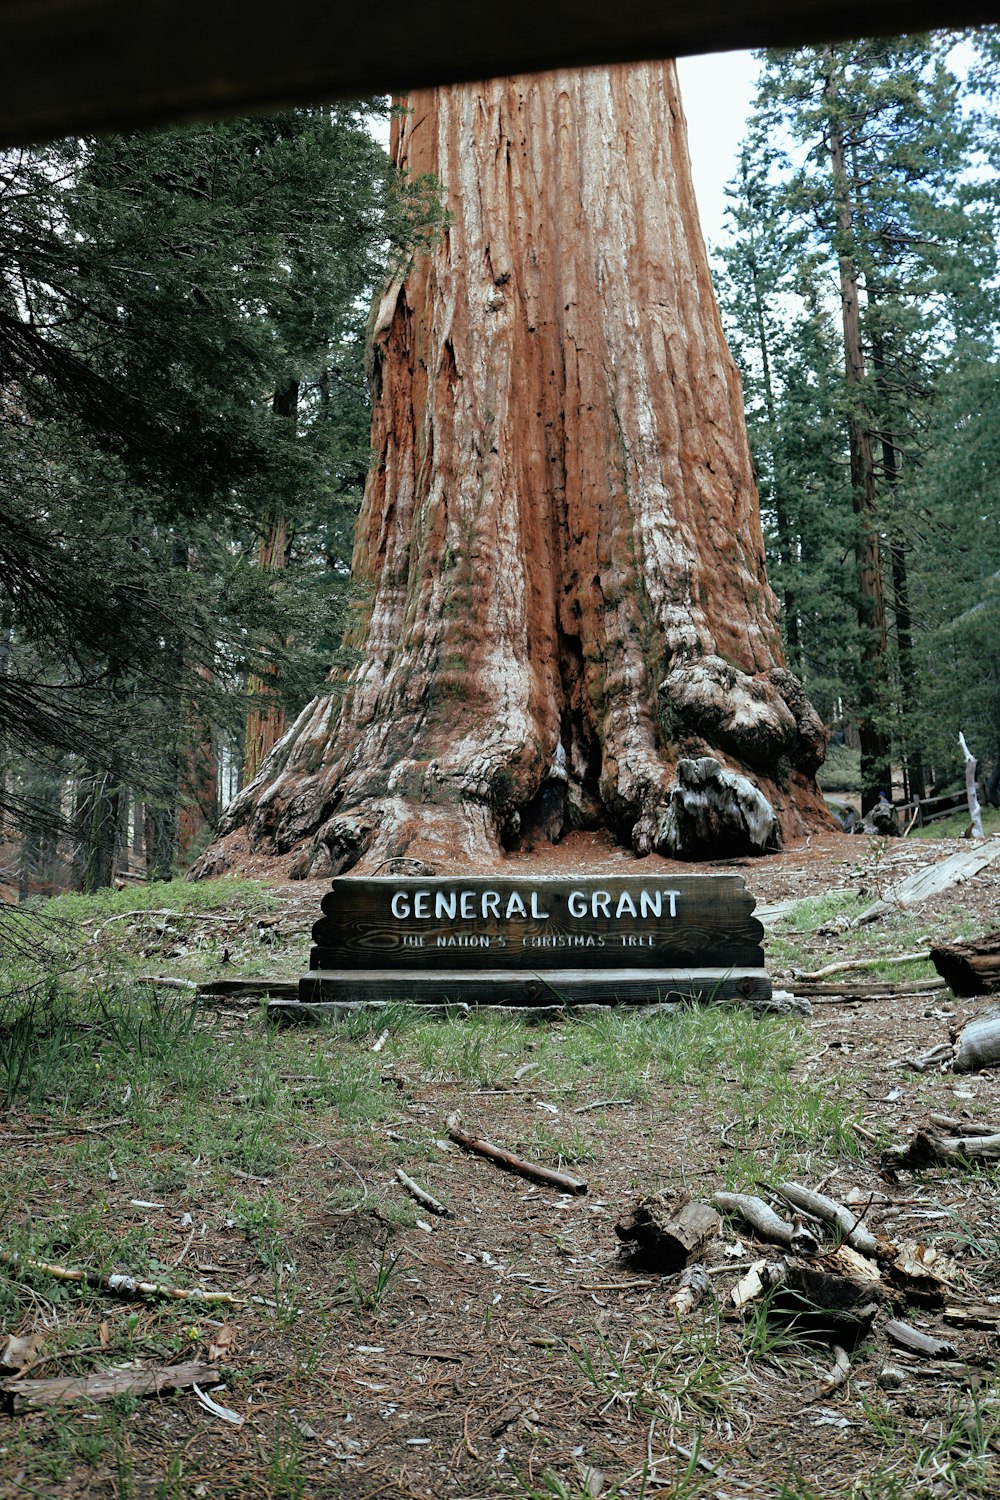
(265, 722)
(198, 782)
(265, 718)
(560, 534)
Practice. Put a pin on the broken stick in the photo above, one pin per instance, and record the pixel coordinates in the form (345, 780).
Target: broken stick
(122, 1285)
(422, 1195)
(919, 1343)
(766, 1224)
(831, 1212)
(513, 1163)
(842, 965)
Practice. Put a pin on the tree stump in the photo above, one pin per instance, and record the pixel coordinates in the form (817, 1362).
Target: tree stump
(971, 968)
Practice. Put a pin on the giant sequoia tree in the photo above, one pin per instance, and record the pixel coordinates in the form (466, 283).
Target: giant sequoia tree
(560, 548)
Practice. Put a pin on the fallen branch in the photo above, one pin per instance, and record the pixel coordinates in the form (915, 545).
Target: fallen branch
(979, 1043)
(935, 1057)
(121, 1285)
(860, 963)
(766, 1224)
(919, 1343)
(926, 883)
(25, 1395)
(837, 1376)
(511, 1162)
(952, 1125)
(830, 1212)
(873, 989)
(422, 1196)
(928, 1149)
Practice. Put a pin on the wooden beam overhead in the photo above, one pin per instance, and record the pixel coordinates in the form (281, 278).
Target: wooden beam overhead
(81, 66)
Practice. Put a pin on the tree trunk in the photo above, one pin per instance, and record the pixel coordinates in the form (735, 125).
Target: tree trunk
(913, 770)
(266, 718)
(560, 538)
(876, 770)
(98, 799)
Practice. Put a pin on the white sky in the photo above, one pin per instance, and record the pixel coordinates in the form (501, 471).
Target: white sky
(716, 91)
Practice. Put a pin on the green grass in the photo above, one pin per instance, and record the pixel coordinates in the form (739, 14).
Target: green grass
(954, 826)
(281, 1147)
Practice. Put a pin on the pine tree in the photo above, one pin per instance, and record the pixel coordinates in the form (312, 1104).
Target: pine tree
(156, 292)
(871, 199)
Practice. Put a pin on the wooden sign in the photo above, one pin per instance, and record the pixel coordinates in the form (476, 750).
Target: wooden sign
(537, 941)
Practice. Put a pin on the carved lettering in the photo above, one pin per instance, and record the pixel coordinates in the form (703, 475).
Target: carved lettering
(650, 903)
(449, 905)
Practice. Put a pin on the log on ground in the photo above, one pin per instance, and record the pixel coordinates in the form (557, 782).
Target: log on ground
(666, 1233)
(971, 968)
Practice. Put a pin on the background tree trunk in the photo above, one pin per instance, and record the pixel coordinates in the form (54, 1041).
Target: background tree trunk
(266, 718)
(560, 536)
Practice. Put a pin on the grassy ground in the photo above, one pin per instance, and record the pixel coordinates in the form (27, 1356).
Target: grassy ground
(955, 826)
(507, 1350)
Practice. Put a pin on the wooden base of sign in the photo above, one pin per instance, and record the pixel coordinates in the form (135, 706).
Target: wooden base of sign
(553, 987)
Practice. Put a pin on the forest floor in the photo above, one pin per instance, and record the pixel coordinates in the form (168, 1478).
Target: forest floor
(372, 1348)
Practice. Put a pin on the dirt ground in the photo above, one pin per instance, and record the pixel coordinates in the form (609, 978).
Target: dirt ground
(510, 1348)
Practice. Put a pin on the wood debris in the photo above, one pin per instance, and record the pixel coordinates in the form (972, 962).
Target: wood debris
(830, 1212)
(25, 1395)
(837, 1375)
(971, 968)
(512, 1163)
(422, 1196)
(944, 1142)
(762, 1277)
(843, 964)
(118, 1283)
(691, 1290)
(926, 883)
(919, 1343)
(667, 1232)
(768, 1225)
(978, 1044)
